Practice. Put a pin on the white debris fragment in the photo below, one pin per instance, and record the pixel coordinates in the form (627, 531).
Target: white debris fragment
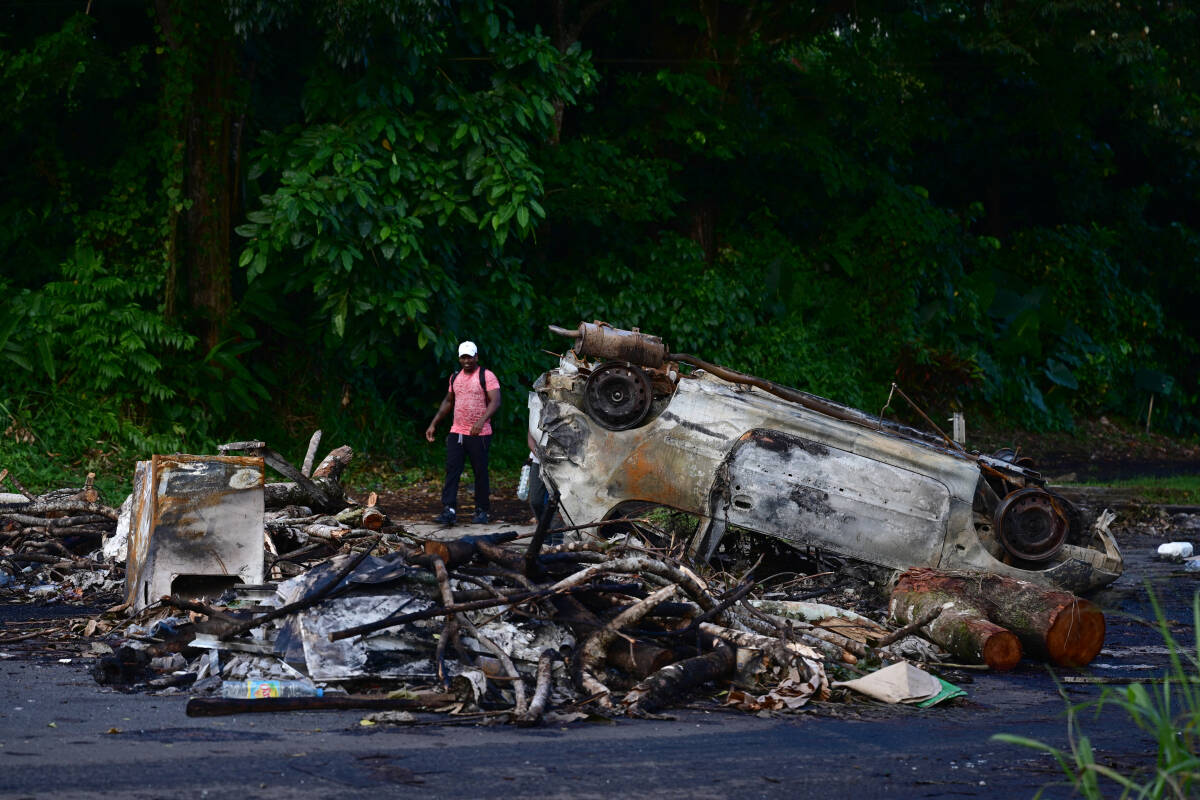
(473, 681)
(1175, 551)
(116, 546)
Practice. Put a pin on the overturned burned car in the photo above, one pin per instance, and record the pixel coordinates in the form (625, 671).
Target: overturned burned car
(617, 424)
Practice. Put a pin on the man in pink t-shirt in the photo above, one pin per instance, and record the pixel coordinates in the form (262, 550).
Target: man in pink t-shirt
(474, 394)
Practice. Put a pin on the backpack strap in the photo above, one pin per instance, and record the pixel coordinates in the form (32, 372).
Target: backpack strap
(482, 380)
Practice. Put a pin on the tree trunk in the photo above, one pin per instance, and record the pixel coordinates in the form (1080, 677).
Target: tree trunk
(961, 628)
(1054, 625)
(204, 98)
(209, 188)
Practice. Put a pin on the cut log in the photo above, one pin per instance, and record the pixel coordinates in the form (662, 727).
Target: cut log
(638, 658)
(372, 518)
(50, 504)
(335, 463)
(909, 629)
(321, 494)
(673, 681)
(760, 642)
(456, 552)
(541, 693)
(961, 628)
(220, 706)
(1054, 625)
(330, 534)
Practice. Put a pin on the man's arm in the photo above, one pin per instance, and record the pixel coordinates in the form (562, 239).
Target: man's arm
(493, 404)
(443, 410)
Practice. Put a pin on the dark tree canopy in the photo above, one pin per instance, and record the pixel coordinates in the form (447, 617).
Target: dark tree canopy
(247, 218)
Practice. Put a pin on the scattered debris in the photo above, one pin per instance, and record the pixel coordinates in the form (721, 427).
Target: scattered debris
(903, 682)
(330, 605)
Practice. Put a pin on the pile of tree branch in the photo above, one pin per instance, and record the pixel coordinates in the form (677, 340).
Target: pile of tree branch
(57, 529)
(646, 629)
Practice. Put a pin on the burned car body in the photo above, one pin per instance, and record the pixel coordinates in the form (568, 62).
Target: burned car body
(736, 450)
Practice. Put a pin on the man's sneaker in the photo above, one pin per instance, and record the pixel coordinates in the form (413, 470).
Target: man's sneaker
(480, 518)
(447, 517)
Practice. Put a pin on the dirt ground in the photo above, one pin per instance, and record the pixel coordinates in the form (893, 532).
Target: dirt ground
(422, 501)
(1098, 449)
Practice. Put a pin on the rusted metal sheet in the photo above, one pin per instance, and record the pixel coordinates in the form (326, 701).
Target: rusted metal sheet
(196, 526)
(737, 450)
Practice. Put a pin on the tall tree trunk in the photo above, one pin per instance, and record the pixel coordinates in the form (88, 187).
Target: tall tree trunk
(202, 87)
(566, 33)
(209, 188)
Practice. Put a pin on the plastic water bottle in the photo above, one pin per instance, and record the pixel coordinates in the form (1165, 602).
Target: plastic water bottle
(523, 483)
(252, 689)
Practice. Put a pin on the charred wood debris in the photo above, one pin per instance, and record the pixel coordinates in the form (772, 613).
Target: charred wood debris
(521, 628)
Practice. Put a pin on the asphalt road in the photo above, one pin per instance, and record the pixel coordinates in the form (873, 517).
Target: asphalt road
(64, 736)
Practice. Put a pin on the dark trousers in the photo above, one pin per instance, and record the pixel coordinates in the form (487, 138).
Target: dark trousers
(537, 491)
(460, 447)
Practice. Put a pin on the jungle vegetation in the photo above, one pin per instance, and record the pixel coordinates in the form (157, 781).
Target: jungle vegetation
(248, 219)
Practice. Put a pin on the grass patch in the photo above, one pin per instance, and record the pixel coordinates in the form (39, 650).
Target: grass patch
(1173, 490)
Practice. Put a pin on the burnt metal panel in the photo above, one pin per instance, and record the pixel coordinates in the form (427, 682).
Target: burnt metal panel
(809, 493)
(196, 526)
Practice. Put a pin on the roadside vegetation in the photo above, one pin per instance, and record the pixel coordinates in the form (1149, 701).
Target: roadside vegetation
(1168, 710)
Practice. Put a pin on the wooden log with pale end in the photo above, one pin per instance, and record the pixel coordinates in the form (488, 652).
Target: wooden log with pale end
(962, 628)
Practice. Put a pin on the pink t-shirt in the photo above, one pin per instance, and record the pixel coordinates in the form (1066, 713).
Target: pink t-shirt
(470, 401)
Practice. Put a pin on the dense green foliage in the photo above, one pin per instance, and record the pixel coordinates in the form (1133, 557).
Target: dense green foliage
(249, 219)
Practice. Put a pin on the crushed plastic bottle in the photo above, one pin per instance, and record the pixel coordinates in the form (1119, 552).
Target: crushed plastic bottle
(254, 689)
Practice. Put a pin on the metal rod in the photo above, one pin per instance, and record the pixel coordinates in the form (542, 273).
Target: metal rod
(930, 422)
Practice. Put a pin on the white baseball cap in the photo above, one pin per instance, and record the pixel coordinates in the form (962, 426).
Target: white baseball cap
(468, 349)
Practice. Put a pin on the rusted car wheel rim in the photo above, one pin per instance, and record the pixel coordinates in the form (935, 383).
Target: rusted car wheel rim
(1031, 525)
(617, 396)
